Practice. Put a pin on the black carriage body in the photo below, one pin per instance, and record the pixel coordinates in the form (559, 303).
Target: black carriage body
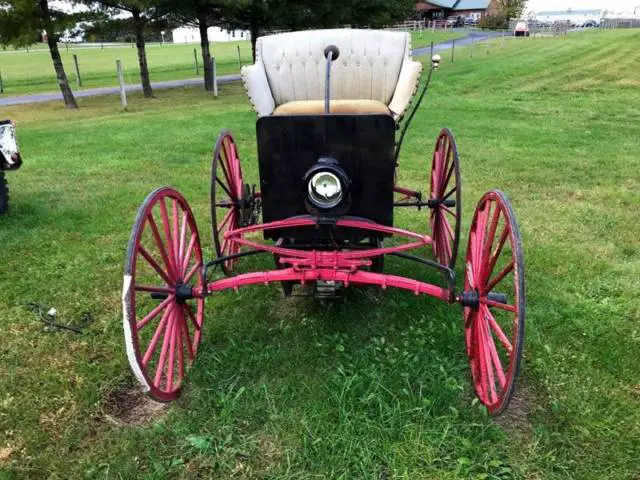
(363, 145)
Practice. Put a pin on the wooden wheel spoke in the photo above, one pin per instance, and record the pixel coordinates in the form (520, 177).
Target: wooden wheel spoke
(154, 313)
(503, 273)
(495, 359)
(163, 252)
(496, 253)
(449, 193)
(449, 211)
(490, 378)
(168, 235)
(224, 187)
(446, 246)
(191, 316)
(480, 359)
(160, 367)
(192, 272)
(183, 239)
(187, 256)
(489, 363)
(496, 328)
(477, 237)
(227, 218)
(448, 228)
(486, 250)
(152, 289)
(180, 347)
(147, 256)
(448, 176)
(162, 326)
(502, 306)
(223, 161)
(185, 331)
(172, 351)
(175, 231)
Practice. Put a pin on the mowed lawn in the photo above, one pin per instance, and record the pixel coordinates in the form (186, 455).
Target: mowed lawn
(32, 72)
(24, 73)
(375, 386)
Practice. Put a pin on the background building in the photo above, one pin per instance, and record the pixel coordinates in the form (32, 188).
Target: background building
(441, 9)
(574, 17)
(216, 34)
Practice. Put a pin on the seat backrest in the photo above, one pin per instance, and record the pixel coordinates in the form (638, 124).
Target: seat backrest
(367, 69)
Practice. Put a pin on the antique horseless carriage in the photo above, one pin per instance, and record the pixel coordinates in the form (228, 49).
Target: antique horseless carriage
(10, 159)
(329, 104)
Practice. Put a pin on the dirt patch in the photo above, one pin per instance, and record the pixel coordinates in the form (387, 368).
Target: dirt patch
(5, 454)
(516, 420)
(129, 406)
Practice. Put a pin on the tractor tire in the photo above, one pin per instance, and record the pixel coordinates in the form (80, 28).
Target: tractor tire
(4, 194)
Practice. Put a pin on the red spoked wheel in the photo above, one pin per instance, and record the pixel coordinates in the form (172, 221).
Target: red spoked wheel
(445, 195)
(162, 319)
(494, 310)
(228, 194)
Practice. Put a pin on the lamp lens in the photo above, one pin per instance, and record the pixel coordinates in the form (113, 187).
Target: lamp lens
(325, 189)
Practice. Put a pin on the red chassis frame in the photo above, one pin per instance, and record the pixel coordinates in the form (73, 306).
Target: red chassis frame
(313, 265)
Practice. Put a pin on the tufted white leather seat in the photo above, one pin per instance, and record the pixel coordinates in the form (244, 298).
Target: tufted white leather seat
(374, 72)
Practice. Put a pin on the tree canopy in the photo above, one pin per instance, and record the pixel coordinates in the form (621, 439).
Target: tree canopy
(22, 21)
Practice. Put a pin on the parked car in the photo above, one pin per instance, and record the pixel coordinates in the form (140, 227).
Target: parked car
(471, 21)
(456, 21)
(521, 30)
(590, 24)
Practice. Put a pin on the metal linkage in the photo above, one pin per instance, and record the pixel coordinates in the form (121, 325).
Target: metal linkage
(334, 266)
(449, 274)
(328, 275)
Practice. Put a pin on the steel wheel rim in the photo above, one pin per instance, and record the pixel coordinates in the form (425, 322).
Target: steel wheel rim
(226, 191)
(445, 185)
(166, 333)
(494, 332)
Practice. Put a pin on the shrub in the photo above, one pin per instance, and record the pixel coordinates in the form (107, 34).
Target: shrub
(494, 22)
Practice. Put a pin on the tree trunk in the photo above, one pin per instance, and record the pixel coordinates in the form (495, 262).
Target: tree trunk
(254, 32)
(206, 55)
(67, 94)
(138, 25)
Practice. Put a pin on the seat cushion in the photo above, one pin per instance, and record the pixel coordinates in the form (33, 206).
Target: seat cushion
(316, 107)
(368, 67)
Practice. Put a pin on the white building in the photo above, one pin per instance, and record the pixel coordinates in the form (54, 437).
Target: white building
(216, 34)
(575, 17)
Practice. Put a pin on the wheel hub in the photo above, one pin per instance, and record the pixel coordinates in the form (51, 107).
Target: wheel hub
(470, 299)
(184, 292)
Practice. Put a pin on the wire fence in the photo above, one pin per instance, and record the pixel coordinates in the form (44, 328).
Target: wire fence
(26, 72)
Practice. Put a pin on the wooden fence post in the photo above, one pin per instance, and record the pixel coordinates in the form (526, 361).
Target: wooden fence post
(431, 51)
(1, 84)
(75, 63)
(123, 92)
(215, 77)
(471, 48)
(239, 59)
(453, 50)
(195, 61)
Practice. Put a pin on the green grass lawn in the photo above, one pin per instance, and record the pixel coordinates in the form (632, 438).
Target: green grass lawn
(25, 73)
(375, 386)
(425, 37)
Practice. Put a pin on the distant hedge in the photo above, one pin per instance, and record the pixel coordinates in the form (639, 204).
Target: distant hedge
(494, 22)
